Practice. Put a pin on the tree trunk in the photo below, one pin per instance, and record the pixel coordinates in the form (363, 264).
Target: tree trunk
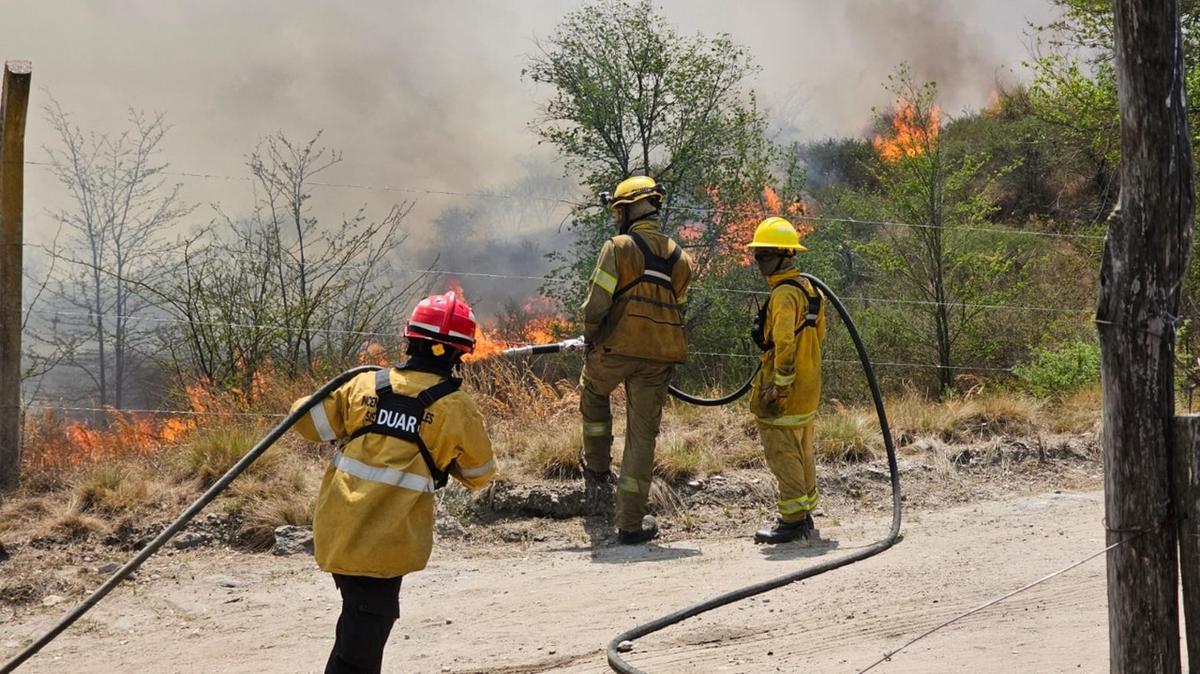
(1145, 259)
(98, 318)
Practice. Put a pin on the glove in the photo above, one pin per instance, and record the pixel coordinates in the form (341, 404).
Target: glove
(774, 396)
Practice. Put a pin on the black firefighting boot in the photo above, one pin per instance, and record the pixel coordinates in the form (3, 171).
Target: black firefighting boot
(785, 532)
(647, 533)
(599, 493)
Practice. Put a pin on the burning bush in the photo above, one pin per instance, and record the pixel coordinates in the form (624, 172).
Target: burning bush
(914, 132)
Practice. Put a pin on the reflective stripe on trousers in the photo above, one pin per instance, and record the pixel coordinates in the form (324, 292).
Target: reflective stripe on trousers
(597, 429)
(800, 504)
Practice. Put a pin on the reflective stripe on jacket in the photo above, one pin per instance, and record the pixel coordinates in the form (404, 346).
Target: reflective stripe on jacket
(375, 511)
(642, 320)
(794, 362)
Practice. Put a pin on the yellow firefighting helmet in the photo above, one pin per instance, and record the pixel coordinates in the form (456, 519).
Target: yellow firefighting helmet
(634, 189)
(776, 232)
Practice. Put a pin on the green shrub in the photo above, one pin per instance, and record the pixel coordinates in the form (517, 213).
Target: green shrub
(1054, 373)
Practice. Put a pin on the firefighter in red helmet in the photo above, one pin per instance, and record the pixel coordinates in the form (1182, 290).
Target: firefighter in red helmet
(403, 431)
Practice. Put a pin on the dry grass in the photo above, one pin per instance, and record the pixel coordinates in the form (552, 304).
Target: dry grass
(702, 441)
(847, 435)
(211, 450)
(965, 419)
(74, 525)
(535, 429)
(115, 488)
(505, 389)
(1076, 413)
(682, 456)
(553, 452)
(21, 512)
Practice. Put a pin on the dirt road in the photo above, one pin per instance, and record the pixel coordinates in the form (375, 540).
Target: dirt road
(551, 606)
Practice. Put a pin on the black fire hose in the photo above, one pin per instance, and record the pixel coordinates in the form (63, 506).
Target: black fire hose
(194, 509)
(715, 402)
(614, 656)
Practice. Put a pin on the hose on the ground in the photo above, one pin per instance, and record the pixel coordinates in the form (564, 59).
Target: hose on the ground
(192, 510)
(615, 659)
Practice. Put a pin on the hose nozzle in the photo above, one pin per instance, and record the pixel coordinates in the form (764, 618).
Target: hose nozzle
(576, 344)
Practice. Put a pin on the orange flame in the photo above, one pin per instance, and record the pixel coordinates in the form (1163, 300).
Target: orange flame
(913, 133)
(535, 323)
(127, 434)
(739, 220)
(373, 353)
(485, 347)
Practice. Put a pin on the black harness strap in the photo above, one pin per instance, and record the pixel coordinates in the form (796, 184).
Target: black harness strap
(400, 416)
(812, 313)
(656, 269)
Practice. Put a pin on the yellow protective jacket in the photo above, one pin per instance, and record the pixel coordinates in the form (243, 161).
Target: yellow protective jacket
(375, 511)
(794, 361)
(632, 308)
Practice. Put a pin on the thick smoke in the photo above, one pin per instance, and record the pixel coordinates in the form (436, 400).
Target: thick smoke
(428, 96)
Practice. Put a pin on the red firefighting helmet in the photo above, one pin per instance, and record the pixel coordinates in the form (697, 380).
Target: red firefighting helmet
(445, 319)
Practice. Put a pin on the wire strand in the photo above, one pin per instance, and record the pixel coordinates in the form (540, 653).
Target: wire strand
(42, 405)
(890, 654)
(973, 368)
(692, 209)
(763, 293)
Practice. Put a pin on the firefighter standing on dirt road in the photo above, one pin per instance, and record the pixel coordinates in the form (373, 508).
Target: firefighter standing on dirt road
(787, 390)
(406, 429)
(633, 324)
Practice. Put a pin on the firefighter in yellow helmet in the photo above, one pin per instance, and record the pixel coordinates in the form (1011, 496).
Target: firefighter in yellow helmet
(787, 390)
(403, 431)
(633, 324)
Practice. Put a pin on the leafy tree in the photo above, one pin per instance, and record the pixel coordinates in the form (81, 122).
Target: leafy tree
(945, 265)
(630, 95)
(1075, 90)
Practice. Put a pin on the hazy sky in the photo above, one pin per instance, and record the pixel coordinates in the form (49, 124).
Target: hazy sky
(428, 94)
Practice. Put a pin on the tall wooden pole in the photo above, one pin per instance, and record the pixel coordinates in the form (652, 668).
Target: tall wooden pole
(1187, 517)
(1145, 258)
(14, 101)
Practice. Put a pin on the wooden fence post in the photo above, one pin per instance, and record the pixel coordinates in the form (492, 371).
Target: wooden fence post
(1187, 521)
(1145, 260)
(14, 101)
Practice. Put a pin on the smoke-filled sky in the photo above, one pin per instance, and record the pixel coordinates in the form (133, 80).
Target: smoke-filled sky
(428, 95)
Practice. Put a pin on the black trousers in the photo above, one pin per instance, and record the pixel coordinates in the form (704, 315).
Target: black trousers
(369, 608)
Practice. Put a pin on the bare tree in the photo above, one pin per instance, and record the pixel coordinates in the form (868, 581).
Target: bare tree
(330, 279)
(121, 203)
(46, 347)
(279, 289)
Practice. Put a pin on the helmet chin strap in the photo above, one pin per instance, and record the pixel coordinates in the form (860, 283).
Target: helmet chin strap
(779, 265)
(625, 221)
